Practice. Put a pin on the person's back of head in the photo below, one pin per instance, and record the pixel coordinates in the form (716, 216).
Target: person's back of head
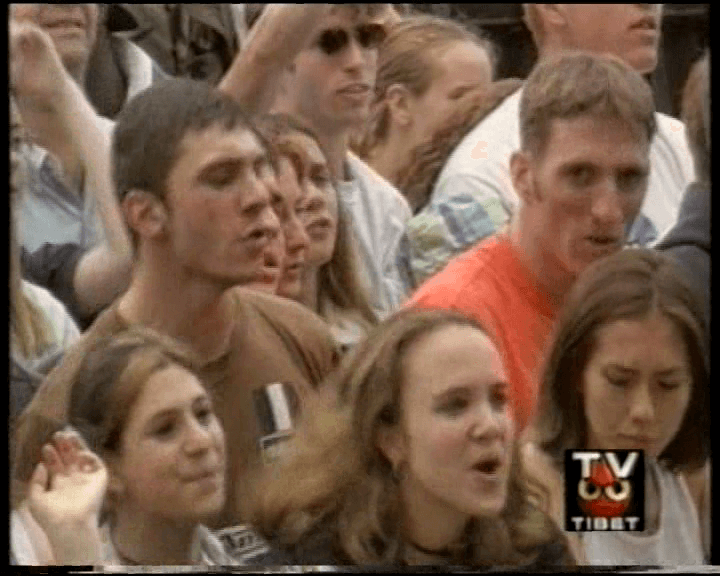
(695, 113)
(571, 85)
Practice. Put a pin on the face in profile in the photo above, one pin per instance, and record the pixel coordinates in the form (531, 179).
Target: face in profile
(288, 203)
(171, 463)
(72, 27)
(461, 69)
(453, 444)
(320, 211)
(636, 385)
(629, 31)
(585, 189)
(220, 225)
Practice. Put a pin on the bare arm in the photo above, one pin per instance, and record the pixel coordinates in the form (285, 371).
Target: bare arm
(279, 34)
(103, 272)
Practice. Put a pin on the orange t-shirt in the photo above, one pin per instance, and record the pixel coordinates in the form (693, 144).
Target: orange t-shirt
(491, 284)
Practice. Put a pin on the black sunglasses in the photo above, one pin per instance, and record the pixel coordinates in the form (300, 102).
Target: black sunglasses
(334, 40)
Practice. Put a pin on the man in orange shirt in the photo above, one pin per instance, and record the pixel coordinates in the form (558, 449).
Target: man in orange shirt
(586, 123)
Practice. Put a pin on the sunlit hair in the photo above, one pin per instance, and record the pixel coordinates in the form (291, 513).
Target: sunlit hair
(417, 178)
(695, 110)
(31, 333)
(338, 480)
(574, 84)
(408, 57)
(631, 284)
(109, 378)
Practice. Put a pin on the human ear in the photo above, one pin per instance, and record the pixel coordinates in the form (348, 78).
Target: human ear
(553, 15)
(521, 173)
(399, 102)
(391, 442)
(145, 213)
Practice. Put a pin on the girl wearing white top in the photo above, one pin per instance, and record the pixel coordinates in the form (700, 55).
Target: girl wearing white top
(628, 370)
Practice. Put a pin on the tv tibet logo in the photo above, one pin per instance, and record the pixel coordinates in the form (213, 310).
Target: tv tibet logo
(604, 490)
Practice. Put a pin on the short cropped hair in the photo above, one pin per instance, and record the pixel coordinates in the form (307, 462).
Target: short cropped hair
(631, 284)
(695, 110)
(151, 127)
(254, 11)
(574, 84)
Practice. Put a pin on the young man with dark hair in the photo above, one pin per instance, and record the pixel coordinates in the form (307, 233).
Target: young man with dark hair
(192, 174)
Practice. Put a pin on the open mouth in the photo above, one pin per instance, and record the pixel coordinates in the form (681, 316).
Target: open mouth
(603, 241)
(489, 466)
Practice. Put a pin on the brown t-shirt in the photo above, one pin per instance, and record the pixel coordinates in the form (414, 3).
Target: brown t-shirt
(275, 343)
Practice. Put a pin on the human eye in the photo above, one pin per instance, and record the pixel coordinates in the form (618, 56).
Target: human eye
(618, 379)
(631, 180)
(581, 176)
(220, 177)
(164, 428)
(499, 397)
(204, 413)
(452, 405)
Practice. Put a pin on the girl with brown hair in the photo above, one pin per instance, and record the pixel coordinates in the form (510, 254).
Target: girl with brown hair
(410, 458)
(628, 370)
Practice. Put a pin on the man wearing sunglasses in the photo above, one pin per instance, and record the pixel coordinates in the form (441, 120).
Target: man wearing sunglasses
(329, 86)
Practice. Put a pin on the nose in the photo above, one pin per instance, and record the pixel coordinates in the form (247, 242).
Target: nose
(296, 236)
(355, 56)
(198, 437)
(642, 408)
(489, 424)
(607, 207)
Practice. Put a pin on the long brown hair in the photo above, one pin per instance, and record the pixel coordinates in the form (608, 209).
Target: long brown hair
(628, 285)
(339, 480)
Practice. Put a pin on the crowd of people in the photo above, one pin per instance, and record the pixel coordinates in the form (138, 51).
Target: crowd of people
(350, 301)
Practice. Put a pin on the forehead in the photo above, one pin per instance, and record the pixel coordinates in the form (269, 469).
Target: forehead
(349, 15)
(199, 146)
(168, 388)
(451, 356)
(308, 145)
(635, 340)
(598, 139)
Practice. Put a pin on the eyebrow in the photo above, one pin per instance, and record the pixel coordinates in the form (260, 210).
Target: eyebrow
(460, 90)
(667, 372)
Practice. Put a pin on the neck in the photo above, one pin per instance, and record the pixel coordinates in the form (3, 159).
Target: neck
(387, 158)
(194, 312)
(143, 540)
(431, 525)
(309, 296)
(551, 277)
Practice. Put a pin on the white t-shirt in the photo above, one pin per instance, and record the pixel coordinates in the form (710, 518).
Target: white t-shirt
(479, 168)
(378, 213)
(677, 541)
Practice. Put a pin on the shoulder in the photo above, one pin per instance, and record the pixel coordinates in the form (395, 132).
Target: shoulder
(467, 279)
(303, 332)
(671, 144)
(378, 187)
(489, 144)
(282, 312)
